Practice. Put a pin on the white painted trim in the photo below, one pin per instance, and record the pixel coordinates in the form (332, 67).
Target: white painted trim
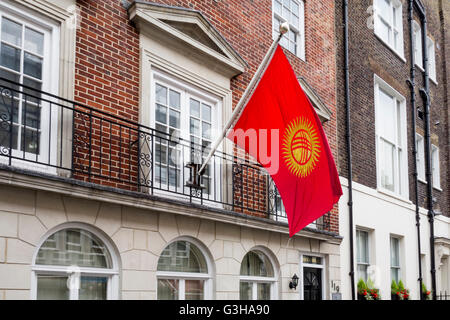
(300, 31)
(402, 181)
(421, 157)
(61, 15)
(187, 92)
(431, 59)
(417, 31)
(322, 266)
(400, 51)
(436, 184)
(50, 83)
(148, 16)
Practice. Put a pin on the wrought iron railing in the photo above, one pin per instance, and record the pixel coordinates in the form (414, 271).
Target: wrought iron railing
(48, 134)
(443, 296)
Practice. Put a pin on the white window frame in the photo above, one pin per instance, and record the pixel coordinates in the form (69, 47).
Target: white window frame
(112, 273)
(379, 19)
(435, 167)
(187, 91)
(322, 268)
(401, 189)
(418, 49)
(208, 278)
(399, 266)
(299, 31)
(50, 83)
(365, 263)
(431, 59)
(420, 157)
(273, 281)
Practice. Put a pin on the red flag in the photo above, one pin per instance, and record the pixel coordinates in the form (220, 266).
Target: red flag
(306, 179)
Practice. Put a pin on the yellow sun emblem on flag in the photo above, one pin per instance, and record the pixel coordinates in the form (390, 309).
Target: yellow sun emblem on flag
(301, 147)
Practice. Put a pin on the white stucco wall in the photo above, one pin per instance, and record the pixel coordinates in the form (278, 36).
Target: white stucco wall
(384, 216)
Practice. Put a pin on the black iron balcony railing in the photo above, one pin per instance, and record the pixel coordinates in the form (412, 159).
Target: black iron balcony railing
(46, 133)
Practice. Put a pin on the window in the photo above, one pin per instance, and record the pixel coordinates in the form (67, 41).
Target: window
(395, 259)
(277, 210)
(183, 273)
(392, 173)
(420, 157)
(291, 11)
(26, 49)
(431, 59)
(75, 264)
(186, 114)
(362, 248)
(276, 206)
(388, 24)
(435, 167)
(417, 38)
(257, 281)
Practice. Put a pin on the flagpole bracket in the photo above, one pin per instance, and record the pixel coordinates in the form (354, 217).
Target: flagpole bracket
(195, 176)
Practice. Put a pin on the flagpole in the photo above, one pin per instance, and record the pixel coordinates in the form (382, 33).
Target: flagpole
(284, 28)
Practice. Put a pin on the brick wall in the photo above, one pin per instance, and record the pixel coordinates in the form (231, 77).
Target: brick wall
(369, 56)
(107, 59)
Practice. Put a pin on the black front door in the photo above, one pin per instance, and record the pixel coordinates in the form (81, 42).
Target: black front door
(312, 284)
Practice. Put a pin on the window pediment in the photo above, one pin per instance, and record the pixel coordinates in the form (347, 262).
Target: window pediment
(190, 29)
(322, 110)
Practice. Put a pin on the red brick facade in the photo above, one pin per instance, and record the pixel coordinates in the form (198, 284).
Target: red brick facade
(369, 56)
(107, 65)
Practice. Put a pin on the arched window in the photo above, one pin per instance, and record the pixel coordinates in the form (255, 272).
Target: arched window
(75, 264)
(183, 273)
(257, 280)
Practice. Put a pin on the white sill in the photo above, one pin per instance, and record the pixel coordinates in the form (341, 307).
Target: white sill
(420, 67)
(423, 70)
(422, 180)
(438, 188)
(393, 195)
(398, 54)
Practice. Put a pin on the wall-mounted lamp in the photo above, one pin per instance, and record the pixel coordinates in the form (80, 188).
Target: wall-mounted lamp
(294, 282)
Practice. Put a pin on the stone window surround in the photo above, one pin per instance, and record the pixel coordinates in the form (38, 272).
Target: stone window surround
(63, 13)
